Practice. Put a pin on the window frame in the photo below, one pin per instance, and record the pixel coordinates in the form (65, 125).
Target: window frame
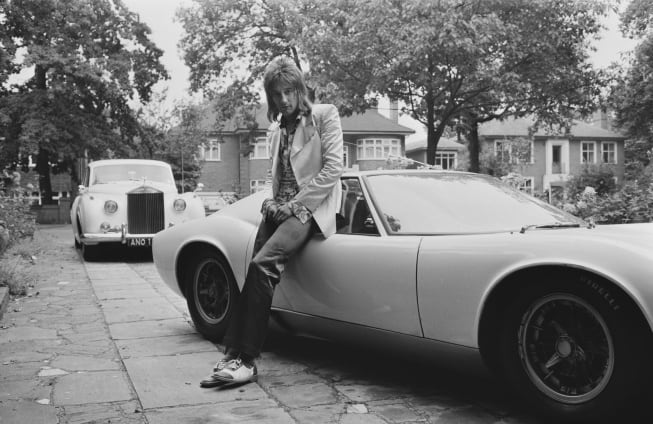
(604, 151)
(378, 146)
(259, 143)
(211, 146)
(453, 157)
(583, 151)
(256, 185)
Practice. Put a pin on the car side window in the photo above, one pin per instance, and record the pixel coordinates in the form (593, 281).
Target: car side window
(355, 211)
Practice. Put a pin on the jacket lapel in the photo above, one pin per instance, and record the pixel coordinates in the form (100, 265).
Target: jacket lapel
(275, 135)
(304, 132)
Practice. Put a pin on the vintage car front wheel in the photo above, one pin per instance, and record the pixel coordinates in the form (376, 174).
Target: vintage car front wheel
(576, 349)
(211, 295)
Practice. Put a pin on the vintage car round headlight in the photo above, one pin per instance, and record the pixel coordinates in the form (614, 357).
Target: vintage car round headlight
(179, 205)
(110, 206)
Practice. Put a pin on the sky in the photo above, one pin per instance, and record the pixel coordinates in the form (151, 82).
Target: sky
(166, 32)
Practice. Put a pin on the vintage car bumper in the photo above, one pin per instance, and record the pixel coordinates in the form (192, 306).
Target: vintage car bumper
(120, 235)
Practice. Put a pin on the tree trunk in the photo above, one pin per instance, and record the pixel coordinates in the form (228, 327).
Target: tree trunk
(43, 159)
(474, 146)
(45, 184)
(433, 134)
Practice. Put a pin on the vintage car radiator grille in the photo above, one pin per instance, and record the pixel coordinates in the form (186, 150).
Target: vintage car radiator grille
(145, 213)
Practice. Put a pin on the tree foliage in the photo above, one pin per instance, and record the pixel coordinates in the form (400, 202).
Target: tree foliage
(461, 63)
(632, 94)
(85, 61)
(451, 62)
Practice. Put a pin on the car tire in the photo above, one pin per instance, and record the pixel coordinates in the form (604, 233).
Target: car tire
(90, 253)
(575, 348)
(211, 295)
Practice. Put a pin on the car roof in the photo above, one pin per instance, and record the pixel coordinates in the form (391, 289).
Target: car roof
(127, 161)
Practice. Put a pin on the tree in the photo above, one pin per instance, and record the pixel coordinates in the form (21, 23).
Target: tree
(458, 63)
(452, 62)
(632, 94)
(88, 60)
(227, 44)
(171, 134)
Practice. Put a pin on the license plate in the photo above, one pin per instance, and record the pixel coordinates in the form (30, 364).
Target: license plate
(139, 242)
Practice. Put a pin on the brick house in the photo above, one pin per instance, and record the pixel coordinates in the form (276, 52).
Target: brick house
(550, 159)
(235, 161)
(554, 159)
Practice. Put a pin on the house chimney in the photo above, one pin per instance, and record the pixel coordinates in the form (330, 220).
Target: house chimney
(393, 112)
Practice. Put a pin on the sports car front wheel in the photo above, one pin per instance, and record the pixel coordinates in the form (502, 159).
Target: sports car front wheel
(211, 295)
(577, 349)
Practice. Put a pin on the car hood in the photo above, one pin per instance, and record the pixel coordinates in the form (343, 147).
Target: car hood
(638, 237)
(126, 187)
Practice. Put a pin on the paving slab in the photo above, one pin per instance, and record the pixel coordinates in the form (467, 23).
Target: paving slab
(305, 395)
(86, 363)
(175, 326)
(29, 389)
(92, 387)
(26, 412)
(174, 381)
(129, 412)
(131, 310)
(240, 412)
(168, 345)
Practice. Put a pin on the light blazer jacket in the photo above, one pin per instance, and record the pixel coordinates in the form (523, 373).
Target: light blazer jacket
(316, 159)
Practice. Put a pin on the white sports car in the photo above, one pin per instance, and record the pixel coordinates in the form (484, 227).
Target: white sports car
(127, 201)
(455, 265)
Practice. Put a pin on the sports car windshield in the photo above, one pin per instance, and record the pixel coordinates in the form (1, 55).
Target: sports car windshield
(431, 203)
(130, 172)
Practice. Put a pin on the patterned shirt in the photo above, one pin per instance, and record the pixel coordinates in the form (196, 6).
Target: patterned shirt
(288, 187)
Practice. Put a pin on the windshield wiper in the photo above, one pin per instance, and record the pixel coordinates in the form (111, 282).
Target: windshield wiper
(553, 225)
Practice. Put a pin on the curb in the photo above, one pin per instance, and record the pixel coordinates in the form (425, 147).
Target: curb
(4, 300)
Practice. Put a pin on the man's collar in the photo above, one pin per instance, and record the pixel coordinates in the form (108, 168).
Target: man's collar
(284, 122)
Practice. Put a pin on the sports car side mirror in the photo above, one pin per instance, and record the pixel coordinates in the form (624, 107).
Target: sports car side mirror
(81, 189)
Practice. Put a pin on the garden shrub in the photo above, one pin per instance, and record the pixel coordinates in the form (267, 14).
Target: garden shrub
(16, 220)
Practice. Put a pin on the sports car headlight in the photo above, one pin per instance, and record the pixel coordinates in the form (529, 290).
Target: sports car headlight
(110, 206)
(179, 205)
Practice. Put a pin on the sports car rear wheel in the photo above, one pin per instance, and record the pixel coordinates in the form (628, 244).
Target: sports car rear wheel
(211, 295)
(576, 350)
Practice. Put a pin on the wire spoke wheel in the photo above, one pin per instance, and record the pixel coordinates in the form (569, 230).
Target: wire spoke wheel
(566, 348)
(213, 291)
(211, 294)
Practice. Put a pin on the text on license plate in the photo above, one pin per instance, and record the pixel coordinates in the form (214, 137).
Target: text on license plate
(139, 242)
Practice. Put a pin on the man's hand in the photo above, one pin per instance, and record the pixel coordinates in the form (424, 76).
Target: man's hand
(282, 213)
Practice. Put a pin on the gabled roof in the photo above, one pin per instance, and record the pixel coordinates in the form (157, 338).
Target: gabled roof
(443, 144)
(520, 128)
(368, 122)
(372, 122)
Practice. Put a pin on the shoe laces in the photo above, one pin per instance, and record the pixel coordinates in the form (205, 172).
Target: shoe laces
(234, 364)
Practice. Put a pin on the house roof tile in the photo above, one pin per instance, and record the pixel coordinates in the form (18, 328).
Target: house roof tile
(520, 127)
(368, 122)
(443, 144)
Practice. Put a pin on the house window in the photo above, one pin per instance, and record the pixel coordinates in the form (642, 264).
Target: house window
(502, 151)
(345, 157)
(588, 152)
(526, 185)
(446, 160)
(609, 152)
(261, 149)
(211, 151)
(514, 151)
(369, 148)
(256, 185)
